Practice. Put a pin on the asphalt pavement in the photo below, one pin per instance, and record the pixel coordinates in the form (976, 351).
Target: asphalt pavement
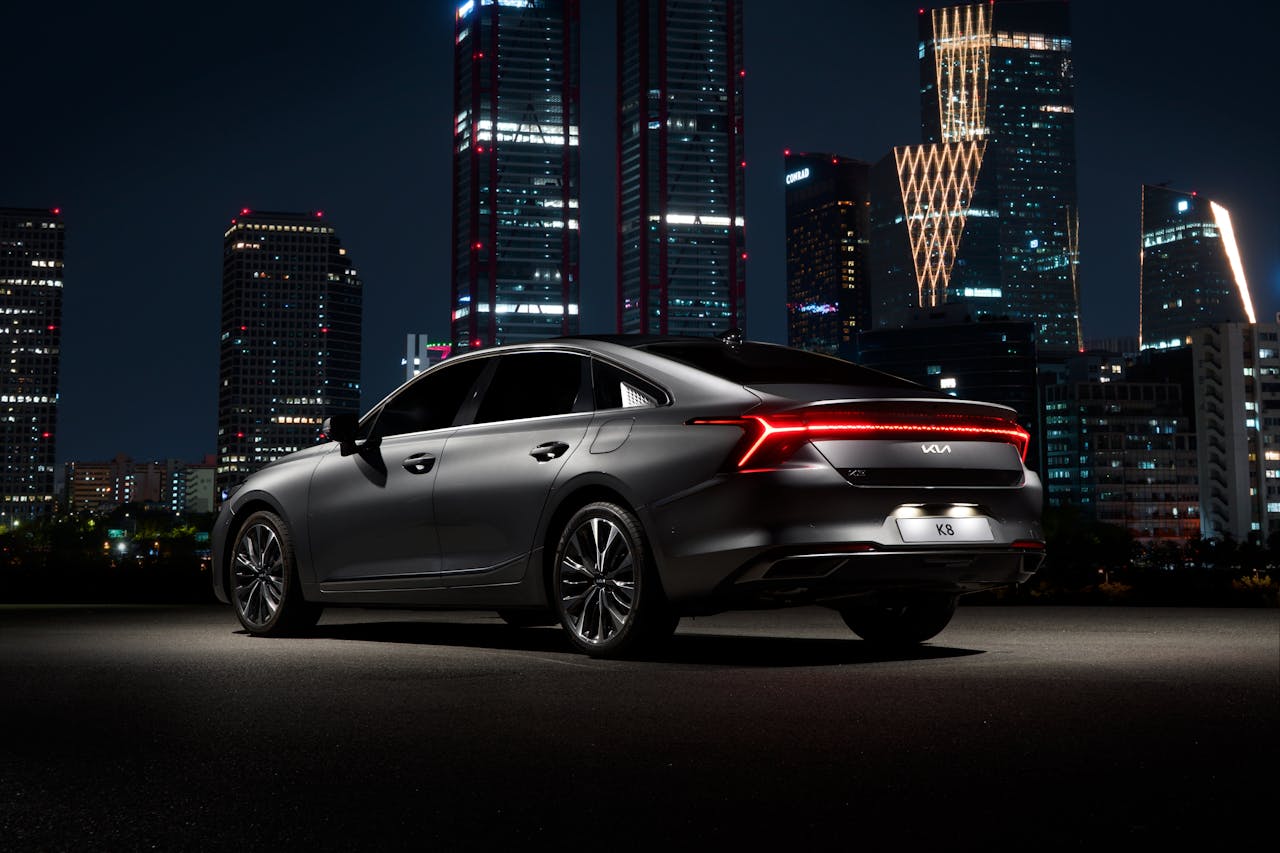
(130, 728)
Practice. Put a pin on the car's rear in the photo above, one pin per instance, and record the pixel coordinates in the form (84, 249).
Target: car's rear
(839, 482)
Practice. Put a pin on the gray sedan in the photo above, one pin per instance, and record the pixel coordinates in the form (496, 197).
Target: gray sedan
(613, 484)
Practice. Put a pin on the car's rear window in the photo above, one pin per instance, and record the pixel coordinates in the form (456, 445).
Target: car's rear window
(767, 364)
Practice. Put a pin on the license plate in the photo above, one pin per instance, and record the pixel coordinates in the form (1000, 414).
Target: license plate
(945, 529)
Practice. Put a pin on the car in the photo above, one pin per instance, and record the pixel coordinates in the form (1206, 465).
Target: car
(613, 484)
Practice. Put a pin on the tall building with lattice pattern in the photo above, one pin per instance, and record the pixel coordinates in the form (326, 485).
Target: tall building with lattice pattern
(989, 201)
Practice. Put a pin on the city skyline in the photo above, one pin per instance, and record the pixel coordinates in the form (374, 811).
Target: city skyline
(156, 162)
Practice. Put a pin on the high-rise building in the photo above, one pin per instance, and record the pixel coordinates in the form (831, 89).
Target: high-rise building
(681, 228)
(1121, 446)
(290, 349)
(31, 257)
(1237, 393)
(827, 205)
(515, 171)
(1191, 270)
(989, 199)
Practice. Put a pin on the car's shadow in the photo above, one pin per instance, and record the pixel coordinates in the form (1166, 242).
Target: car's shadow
(683, 648)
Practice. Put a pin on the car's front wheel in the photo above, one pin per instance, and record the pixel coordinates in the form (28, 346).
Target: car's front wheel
(904, 623)
(264, 579)
(605, 587)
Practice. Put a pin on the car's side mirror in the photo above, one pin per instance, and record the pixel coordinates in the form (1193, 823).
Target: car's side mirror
(341, 428)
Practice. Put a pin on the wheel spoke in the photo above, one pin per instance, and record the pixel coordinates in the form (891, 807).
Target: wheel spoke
(619, 618)
(575, 567)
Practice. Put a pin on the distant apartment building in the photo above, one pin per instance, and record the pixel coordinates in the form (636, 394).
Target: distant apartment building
(31, 269)
(1121, 447)
(682, 254)
(1237, 393)
(290, 346)
(827, 201)
(1191, 271)
(173, 485)
(515, 172)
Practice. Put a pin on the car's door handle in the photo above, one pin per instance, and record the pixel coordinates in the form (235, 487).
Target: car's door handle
(419, 463)
(550, 450)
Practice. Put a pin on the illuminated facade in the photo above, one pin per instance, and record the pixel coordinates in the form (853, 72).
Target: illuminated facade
(1121, 445)
(515, 171)
(827, 297)
(290, 349)
(989, 201)
(681, 228)
(1191, 270)
(1237, 395)
(180, 487)
(31, 258)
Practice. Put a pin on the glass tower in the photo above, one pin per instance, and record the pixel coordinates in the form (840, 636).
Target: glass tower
(515, 171)
(990, 198)
(827, 297)
(31, 255)
(681, 228)
(290, 349)
(1191, 271)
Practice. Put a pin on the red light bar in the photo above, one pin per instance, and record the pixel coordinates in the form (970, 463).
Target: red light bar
(783, 432)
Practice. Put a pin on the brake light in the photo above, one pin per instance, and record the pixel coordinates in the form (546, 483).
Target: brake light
(769, 440)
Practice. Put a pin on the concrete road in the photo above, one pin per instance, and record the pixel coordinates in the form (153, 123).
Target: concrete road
(165, 728)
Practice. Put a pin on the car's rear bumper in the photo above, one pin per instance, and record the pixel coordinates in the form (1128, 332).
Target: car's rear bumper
(805, 534)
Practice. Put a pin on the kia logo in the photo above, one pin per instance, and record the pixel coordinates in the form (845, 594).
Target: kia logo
(936, 448)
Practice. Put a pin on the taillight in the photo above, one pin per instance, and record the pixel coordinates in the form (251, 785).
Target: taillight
(771, 439)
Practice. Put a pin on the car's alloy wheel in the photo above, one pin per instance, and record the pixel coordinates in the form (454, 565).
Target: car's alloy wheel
(903, 623)
(607, 594)
(264, 580)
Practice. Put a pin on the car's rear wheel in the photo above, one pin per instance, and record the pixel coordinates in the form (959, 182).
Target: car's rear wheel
(902, 623)
(264, 579)
(605, 587)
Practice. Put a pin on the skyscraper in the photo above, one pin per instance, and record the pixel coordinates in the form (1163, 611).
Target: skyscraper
(681, 228)
(515, 171)
(1191, 271)
(827, 297)
(290, 351)
(989, 199)
(31, 256)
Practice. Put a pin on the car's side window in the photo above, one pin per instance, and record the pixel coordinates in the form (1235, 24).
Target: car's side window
(615, 388)
(535, 385)
(431, 402)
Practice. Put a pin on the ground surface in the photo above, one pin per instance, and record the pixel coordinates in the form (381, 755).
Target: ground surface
(1027, 727)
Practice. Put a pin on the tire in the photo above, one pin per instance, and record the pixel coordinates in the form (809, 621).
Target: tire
(604, 586)
(906, 623)
(527, 618)
(265, 589)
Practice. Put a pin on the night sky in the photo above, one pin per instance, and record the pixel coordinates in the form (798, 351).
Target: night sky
(151, 124)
